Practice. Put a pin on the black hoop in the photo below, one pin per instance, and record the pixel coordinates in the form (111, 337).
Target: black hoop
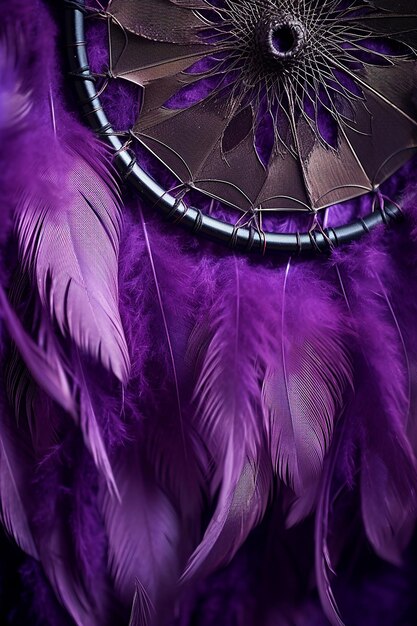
(239, 238)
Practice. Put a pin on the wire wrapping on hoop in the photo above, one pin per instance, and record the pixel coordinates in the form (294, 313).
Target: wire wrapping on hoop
(244, 238)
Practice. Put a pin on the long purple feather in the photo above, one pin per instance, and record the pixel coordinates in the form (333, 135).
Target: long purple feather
(388, 482)
(143, 534)
(225, 349)
(13, 513)
(323, 564)
(374, 423)
(62, 378)
(47, 536)
(159, 336)
(50, 499)
(69, 229)
(171, 457)
(44, 363)
(388, 469)
(45, 366)
(164, 321)
(239, 510)
(407, 365)
(90, 428)
(56, 560)
(15, 102)
(304, 385)
(15, 106)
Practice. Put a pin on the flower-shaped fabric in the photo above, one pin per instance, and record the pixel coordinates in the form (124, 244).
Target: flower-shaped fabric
(272, 104)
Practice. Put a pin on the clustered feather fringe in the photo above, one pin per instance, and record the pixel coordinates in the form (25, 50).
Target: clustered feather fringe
(164, 401)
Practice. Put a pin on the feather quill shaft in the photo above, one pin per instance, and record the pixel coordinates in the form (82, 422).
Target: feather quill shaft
(165, 324)
(142, 608)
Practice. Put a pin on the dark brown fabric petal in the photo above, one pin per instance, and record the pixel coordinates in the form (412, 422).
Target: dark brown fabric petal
(391, 141)
(203, 127)
(153, 113)
(284, 186)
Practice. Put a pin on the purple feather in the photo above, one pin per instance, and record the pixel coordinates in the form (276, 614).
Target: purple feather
(239, 510)
(380, 411)
(323, 563)
(159, 333)
(15, 102)
(45, 365)
(51, 499)
(68, 587)
(143, 534)
(49, 529)
(373, 450)
(225, 351)
(90, 428)
(15, 107)
(69, 229)
(13, 512)
(304, 384)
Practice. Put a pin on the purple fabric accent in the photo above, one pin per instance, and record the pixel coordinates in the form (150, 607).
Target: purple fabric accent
(264, 134)
(192, 94)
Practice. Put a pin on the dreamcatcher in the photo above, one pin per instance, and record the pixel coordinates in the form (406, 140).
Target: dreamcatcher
(266, 107)
(192, 435)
